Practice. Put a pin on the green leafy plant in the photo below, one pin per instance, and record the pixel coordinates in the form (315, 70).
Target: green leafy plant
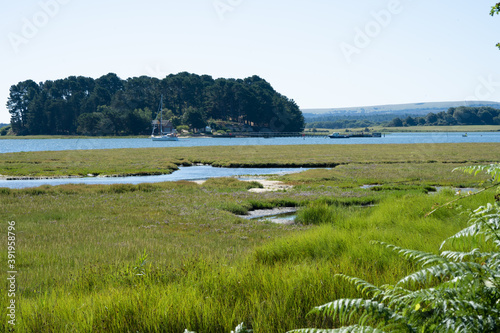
(140, 268)
(495, 10)
(493, 170)
(454, 291)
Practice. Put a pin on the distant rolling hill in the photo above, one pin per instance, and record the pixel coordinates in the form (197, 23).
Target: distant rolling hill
(415, 109)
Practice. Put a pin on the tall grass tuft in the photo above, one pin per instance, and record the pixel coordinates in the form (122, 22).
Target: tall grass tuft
(316, 213)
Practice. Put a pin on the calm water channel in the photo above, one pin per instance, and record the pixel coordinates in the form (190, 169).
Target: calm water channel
(184, 173)
(19, 145)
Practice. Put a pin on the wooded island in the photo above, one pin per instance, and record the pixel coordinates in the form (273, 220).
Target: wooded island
(112, 106)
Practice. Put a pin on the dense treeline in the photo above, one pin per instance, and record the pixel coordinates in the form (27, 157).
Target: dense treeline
(454, 116)
(112, 106)
(352, 121)
(341, 123)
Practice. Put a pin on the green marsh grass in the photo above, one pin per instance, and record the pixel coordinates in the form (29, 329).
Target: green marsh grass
(421, 175)
(166, 160)
(80, 247)
(91, 286)
(229, 183)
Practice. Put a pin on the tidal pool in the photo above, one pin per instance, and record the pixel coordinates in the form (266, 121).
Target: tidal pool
(280, 215)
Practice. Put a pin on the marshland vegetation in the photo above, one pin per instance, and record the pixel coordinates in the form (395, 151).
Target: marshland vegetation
(150, 161)
(172, 256)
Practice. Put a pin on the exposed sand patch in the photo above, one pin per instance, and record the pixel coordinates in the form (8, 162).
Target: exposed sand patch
(269, 185)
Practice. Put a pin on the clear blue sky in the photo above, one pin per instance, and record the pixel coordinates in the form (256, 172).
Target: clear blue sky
(321, 53)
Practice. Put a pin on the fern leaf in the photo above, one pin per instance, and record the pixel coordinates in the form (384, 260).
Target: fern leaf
(468, 324)
(345, 309)
(361, 285)
(442, 271)
(493, 170)
(484, 223)
(461, 256)
(423, 258)
(313, 330)
(461, 306)
(347, 329)
(469, 232)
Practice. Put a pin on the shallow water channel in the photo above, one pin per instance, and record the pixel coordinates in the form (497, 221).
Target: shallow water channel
(18, 145)
(280, 215)
(192, 173)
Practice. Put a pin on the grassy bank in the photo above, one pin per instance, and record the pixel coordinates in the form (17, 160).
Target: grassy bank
(462, 129)
(165, 160)
(169, 256)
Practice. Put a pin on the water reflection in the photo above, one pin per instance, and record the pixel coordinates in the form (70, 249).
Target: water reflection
(184, 173)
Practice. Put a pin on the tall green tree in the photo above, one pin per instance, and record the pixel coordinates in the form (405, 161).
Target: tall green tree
(495, 10)
(20, 97)
(396, 122)
(194, 118)
(410, 121)
(90, 123)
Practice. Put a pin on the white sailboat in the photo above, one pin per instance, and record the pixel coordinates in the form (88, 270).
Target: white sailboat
(166, 131)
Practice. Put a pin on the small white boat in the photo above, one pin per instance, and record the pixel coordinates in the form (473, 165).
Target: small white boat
(165, 137)
(166, 132)
(337, 135)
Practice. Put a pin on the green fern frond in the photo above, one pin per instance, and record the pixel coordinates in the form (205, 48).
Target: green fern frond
(468, 324)
(313, 330)
(469, 232)
(461, 256)
(345, 309)
(424, 301)
(484, 224)
(493, 261)
(493, 170)
(423, 258)
(347, 329)
(488, 218)
(490, 210)
(443, 271)
(361, 285)
(465, 306)
(394, 293)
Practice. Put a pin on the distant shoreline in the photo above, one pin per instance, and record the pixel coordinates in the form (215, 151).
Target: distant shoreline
(415, 129)
(418, 129)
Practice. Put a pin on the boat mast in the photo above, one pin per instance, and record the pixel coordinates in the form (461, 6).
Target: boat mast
(161, 115)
